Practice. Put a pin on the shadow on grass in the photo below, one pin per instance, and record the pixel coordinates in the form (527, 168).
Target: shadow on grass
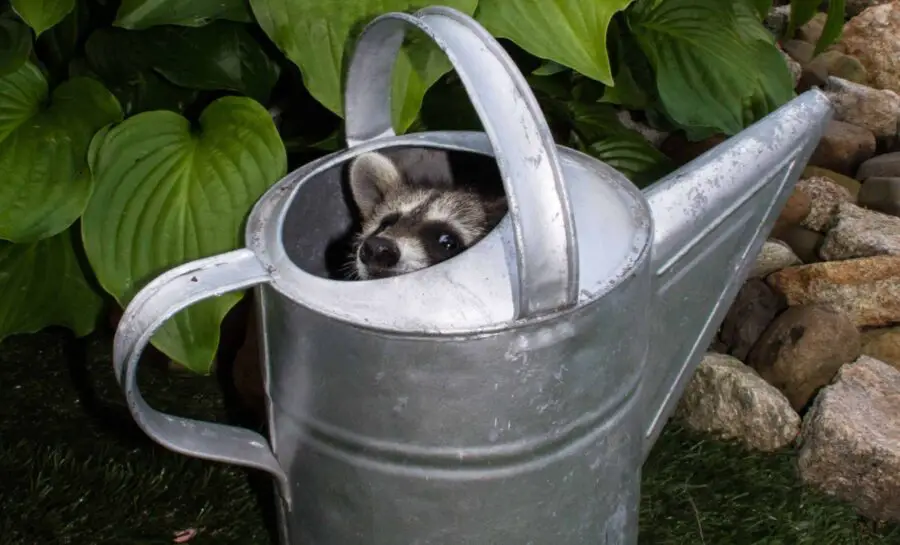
(77, 470)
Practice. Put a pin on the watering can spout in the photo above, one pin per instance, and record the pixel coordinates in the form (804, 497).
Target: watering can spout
(711, 218)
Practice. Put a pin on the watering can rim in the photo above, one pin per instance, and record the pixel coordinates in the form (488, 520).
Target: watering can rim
(264, 236)
(539, 208)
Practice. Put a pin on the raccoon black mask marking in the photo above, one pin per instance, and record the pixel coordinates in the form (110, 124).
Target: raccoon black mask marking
(413, 215)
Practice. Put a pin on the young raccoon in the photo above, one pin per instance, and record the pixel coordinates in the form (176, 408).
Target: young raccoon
(413, 214)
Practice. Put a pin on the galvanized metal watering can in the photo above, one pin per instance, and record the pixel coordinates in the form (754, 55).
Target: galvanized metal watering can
(509, 395)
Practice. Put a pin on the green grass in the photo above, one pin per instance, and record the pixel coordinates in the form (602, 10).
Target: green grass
(75, 470)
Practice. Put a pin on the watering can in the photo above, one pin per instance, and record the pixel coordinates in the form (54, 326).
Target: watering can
(508, 395)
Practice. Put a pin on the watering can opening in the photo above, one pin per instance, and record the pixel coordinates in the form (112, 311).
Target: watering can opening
(303, 227)
(323, 220)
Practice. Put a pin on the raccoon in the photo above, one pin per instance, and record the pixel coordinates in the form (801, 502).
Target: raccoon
(413, 213)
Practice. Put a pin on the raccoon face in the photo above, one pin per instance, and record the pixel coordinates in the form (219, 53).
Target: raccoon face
(409, 224)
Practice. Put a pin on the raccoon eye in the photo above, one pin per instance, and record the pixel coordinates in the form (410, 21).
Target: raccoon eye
(448, 241)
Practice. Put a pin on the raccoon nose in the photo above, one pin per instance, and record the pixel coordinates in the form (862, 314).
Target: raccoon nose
(379, 251)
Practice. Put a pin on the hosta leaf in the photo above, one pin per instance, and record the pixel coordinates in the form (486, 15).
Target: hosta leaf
(44, 285)
(572, 33)
(761, 8)
(834, 26)
(137, 85)
(167, 193)
(702, 68)
(774, 84)
(315, 35)
(136, 14)
(15, 45)
(58, 46)
(633, 156)
(46, 182)
(42, 14)
(220, 55)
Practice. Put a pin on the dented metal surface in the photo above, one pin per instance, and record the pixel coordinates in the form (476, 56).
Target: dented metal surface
(508, 395)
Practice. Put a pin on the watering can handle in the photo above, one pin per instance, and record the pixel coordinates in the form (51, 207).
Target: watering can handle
(547, 255)
(158, 301)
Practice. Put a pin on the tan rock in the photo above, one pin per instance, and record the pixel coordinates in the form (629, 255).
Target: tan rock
(729, 400)
(835, 63)
(883, 344)
(873, 37)
(802, 350)
(861, 233)
(825, 196)
(794, 212)
(850, 439)
(774, 256)
(875, 109)
(850, 184)
(843, 147)
(866, 289)
(812, 30)
(855, 7)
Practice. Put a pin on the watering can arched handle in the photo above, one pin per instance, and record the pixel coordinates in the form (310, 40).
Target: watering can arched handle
(155, 303)
(544, 230)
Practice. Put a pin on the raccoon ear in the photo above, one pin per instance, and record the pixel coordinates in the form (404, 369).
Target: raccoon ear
(372, 176)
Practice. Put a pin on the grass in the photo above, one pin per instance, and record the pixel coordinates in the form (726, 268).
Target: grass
(75, 470)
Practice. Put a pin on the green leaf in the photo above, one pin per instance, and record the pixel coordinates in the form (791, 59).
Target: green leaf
(633, 156)
(15, 45)
(318, 36)
(46, 182)
(834, 26)
(137, 14)
(548, 68)
(58, 46)
(774, 84)
(138, 86)
(762, 8)
(42, 14)
(572, 33)
(219, 56)
(44, 285)
(802, 11)
(167, 193)
(701, 64)
(600, 133)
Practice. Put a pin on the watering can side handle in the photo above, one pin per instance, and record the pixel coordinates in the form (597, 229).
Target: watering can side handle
(524, 149)
(158, 301)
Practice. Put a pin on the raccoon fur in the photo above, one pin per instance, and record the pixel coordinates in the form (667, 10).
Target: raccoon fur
(414, 213)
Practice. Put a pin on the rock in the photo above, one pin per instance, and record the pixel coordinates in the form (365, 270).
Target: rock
(850, 440)
(825, 197)
(650, 134)
(835, 63)
(794, 66)
(843, 148)
(777, 19)
(812, 30)
(867, 288)
(799, 50)
(802, 350)
(774, 256)
(754, 308)
(875, 109)
(729, 400)
(850, 184)
(795, 211)
(861, 233)
(881, 194)
(803, 241)
(882, 166)
(855, 7)
(873, 37)
(811, 75)
(883, 344)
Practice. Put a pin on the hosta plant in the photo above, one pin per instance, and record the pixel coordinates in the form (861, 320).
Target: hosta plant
(135, 135)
